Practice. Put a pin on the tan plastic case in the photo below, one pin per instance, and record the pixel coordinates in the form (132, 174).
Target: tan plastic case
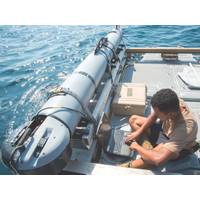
(130, 99)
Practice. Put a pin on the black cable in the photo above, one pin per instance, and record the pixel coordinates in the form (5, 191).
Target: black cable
(61, 107)
(64, 92)
(62, 122)
(88, 76)
(113, 52)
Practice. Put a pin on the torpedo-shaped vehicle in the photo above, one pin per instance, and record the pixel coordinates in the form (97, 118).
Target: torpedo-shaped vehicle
(43, 145)
(81, 129)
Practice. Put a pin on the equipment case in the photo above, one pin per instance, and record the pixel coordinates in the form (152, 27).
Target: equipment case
(130, 99)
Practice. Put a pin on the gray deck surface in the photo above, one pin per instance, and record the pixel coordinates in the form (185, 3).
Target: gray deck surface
(158, 74)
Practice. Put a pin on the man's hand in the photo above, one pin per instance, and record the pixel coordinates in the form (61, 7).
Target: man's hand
(133, 145)
(131, 137)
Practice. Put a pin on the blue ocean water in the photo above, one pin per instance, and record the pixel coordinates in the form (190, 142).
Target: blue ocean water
(36, 59)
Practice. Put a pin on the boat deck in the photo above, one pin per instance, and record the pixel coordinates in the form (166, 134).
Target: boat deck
(158, 74)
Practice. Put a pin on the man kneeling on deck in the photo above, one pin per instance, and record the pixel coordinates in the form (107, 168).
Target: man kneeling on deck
(179, 130)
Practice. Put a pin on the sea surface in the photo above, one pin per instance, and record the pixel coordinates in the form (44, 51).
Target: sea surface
(36, 59)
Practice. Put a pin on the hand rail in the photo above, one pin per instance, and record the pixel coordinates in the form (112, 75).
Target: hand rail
(162, 50)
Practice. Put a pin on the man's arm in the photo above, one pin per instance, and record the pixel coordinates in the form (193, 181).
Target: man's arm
(150, 120)
(156, 156)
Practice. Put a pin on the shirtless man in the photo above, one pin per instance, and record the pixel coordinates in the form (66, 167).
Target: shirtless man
(179, 130)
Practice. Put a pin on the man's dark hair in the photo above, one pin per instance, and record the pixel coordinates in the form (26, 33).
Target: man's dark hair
(166, 100)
